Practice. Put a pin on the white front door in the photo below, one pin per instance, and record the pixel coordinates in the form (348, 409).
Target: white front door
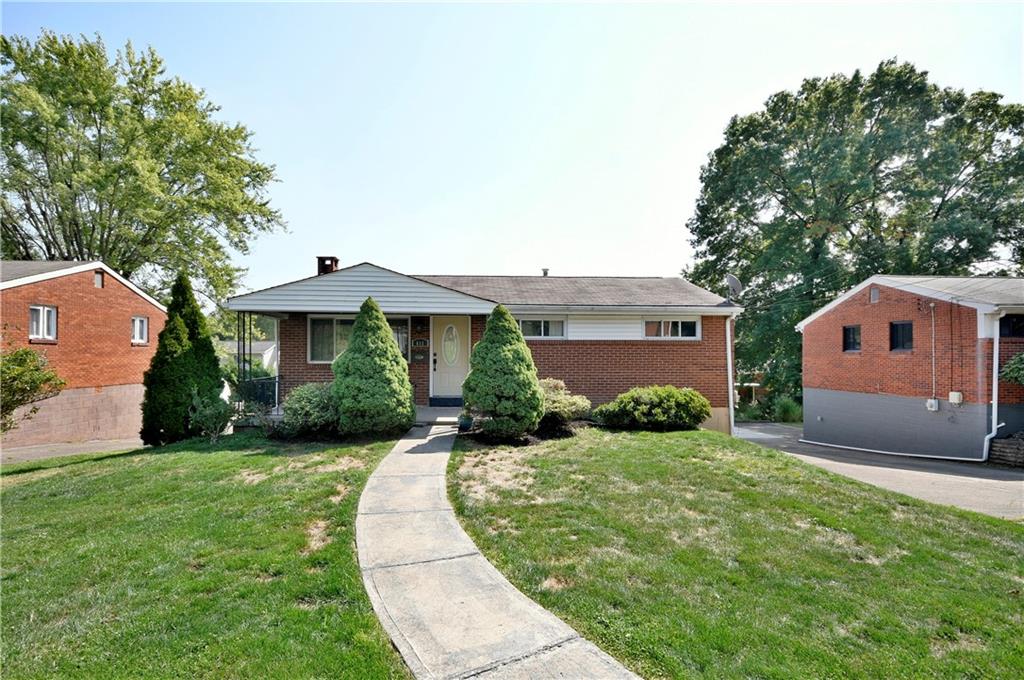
(449, 340)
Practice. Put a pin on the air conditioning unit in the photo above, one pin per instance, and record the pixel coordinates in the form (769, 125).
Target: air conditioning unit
(956, 398)
(932, 404)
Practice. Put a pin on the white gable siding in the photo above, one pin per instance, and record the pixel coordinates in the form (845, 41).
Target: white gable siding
(345, 290)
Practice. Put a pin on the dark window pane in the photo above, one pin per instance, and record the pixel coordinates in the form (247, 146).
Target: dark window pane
(689, 329)
(532, 328)
(1012, 326)
(851, 338)
(901, 335)
(321, 339)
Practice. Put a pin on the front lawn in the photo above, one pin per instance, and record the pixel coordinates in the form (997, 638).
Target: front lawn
(695, 554)
(193, 560)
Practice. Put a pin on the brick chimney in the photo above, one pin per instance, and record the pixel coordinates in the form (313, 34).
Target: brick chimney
(325, 264)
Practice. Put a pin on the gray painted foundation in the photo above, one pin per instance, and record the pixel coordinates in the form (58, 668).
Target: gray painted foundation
(888, 423)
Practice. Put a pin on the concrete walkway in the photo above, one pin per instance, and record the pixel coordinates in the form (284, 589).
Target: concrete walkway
(449, 612)
(987, 489)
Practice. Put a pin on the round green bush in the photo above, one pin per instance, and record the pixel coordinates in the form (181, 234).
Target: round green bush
(502, 383)
(371, 379)
(658, 407)
(310, 411)
(787, 410)
(560, 406)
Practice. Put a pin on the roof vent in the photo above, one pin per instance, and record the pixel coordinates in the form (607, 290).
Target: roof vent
(325, 264)
(544, 271)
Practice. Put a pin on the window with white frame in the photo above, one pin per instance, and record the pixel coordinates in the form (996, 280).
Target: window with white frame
(542, 328)
(42, 322)
(672, 329)
(328, 336)
(140, 330)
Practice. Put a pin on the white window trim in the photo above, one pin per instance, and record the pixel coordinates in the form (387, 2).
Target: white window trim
(565, 327)
(668, 338)
(145, 325)
(42, 322)
(348, 317)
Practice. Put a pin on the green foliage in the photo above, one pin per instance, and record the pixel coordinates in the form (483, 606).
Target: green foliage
(658, 407)
(310, 410)
(109, 159)
(560, 406)
(852, 176)
(787, 410)
(1013, 370)
(25, 378)
(185, 362)
(210, 416)
(748, 411)
(208, 378)
(371, 378)
(502, 382)
(168, 386)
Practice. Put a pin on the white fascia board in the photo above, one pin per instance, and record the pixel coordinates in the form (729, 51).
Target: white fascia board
(882, 280)
(671, 310)
(78, 269)
(280, 310)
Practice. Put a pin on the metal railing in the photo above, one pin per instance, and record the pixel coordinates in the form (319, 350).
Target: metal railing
(259, 390)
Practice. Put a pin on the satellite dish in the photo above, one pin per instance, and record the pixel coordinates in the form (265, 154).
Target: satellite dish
(735, 287)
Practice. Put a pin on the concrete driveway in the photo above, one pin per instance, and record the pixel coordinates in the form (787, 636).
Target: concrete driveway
(40, 451)
(991, 490)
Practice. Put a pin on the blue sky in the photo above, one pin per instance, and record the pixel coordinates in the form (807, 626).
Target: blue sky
(505, 138)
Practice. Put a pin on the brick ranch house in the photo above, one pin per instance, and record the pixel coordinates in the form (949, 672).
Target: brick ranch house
(907, 365)
(98, 331)
(601, 335)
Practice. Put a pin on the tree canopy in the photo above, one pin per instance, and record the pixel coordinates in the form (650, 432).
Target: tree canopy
(848, 177)
(109, 159)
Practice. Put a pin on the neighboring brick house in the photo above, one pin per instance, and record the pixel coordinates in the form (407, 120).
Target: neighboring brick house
(601, 335)
(904, 365)
(98, 331)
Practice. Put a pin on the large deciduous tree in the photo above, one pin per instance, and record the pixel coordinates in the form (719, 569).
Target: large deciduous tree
(109, 159)
(848, 177)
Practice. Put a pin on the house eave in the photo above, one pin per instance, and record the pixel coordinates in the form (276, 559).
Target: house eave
(626, 310)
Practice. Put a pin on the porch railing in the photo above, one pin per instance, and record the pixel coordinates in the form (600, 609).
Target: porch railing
(259, 390)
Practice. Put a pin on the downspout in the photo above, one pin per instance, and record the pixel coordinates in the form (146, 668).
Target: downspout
(995, 388)
(729, 369)
(932, 305)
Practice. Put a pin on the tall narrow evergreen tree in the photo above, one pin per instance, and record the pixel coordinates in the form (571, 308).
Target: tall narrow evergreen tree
(167, 386)
(371, 379)
(184, 364)
(208, 377)
(502, 382)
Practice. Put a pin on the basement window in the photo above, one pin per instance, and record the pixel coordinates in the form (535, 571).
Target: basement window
(901, 336)
(42, 322)
(851, 338)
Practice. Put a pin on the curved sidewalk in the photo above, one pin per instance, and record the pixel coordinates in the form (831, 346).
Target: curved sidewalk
(449, 612)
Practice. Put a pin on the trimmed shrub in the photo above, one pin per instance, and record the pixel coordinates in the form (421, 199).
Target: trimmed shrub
(1013, 370)
(371, 378)
(167, 396)
(207, 376)
(560, 406)
(748, 412)
(786, 410)
(210, 417)
(658, 407)
(502, 383)
(311, 411)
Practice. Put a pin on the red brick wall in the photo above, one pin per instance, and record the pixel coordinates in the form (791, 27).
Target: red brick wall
(598, 369)
(94, 340)
(602, 369)
(962, 360)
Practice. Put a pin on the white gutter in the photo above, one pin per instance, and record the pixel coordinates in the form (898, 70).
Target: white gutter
(995, 387)
(728, 367)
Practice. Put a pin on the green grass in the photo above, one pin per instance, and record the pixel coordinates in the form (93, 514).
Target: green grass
(693, 554)
(185, 561)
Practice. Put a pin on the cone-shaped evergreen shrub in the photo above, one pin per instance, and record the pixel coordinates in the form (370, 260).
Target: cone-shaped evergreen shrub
(502, 382)
(167, 383)
(371, 379)
(184, 365)
(208, 377)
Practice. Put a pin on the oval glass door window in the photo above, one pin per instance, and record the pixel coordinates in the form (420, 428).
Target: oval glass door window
(450, 345)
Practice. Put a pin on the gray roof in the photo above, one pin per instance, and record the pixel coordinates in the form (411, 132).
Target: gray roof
(258, 346)
(19, 269)
(586, 291)
(992, 290)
